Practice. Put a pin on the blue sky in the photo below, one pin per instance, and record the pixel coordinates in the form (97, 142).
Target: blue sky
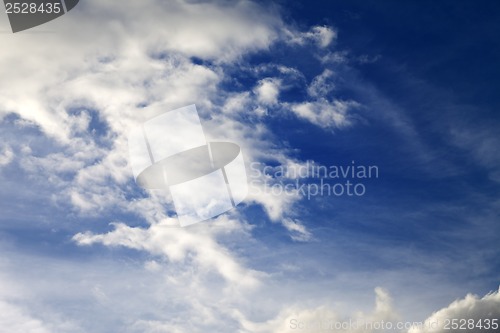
(407, 87)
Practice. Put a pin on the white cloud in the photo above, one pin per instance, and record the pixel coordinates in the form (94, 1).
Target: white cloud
(237, 103)
(156, 326)
(117, 293)
(128, 66)
(257, 143)
(55, 163)
(297, 229)
(114, 76)
(6, 155)
(118, 70)
(15, 320)
(267, 91)
(296, 318)
(321, 85)
(336, 57)
(469, 308)
(325, 114)
(112, 61)
(324, 111)
(175, 244)
(277, 205)
(18, 313)
(323, 36)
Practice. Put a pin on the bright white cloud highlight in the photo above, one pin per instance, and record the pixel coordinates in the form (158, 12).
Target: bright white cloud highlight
(267, 91)
(325, 114)
(471, 307)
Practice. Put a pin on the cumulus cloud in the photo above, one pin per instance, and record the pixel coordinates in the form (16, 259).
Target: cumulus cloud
(116, 75)
(325, 318)
(267, 91)
(472, 307)
(110, 78)
(126, 64)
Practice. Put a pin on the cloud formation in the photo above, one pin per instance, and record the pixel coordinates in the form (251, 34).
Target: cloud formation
(105, 68)
(325, 114)
(471, 310)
